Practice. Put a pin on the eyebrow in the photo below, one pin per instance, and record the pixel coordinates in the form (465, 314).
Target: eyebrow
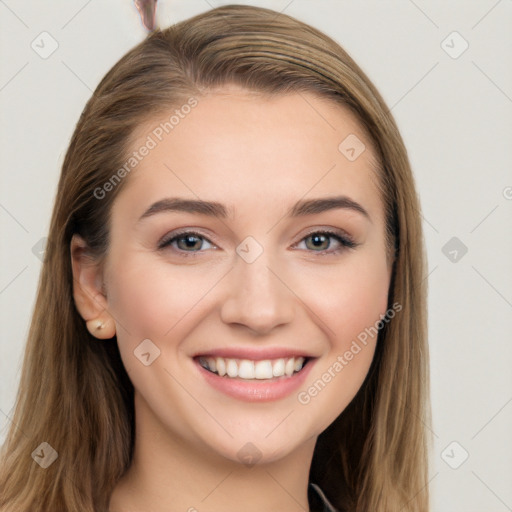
(215, 209)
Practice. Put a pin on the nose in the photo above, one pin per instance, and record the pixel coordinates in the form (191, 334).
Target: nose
(258, 297)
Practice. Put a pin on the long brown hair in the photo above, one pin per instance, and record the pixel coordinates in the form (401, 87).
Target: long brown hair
(75, 394)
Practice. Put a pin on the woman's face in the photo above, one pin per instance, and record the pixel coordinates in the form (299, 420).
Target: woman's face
(253, 281)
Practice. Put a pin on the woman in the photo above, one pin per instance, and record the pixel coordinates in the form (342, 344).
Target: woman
(231, 312)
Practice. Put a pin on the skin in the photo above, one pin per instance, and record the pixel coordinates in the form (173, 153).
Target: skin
(258, 156)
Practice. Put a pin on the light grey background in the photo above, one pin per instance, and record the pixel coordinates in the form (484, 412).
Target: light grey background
(454, 110)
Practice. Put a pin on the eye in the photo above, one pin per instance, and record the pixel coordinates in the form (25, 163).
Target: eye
(320, 241)
(187, 241)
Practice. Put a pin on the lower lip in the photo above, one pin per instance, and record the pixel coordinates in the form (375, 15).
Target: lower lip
(257, 390)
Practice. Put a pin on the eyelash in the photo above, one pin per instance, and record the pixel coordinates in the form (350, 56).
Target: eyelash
(345, 241)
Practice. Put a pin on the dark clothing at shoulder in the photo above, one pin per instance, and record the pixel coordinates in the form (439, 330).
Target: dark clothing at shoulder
(318, 501)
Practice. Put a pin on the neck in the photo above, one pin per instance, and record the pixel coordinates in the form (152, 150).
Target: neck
(170, 474)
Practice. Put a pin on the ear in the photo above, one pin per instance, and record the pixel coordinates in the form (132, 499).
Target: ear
(88, 290)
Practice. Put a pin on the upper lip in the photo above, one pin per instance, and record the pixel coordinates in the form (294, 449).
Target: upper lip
(254, 353)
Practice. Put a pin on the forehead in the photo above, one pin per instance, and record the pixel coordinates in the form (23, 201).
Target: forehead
(238, 146)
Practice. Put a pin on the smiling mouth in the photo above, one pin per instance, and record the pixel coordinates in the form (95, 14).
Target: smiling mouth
(247, 369)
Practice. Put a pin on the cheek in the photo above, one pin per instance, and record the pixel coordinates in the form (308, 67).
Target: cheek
(152, 299)
(351, 305)
(349, 298)
(136, 299)
(362, 300)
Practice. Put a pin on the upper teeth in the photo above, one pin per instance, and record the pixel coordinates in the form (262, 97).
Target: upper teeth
(247, 369)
